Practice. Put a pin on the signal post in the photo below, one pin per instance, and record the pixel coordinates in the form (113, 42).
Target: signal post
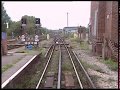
(37, 32)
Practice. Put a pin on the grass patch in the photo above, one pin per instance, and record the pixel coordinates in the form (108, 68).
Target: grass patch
(94, 67)
(85, 64)
(111, 80)
(111, 64)
(31, 52)
(84, 46)
(97, 68)
(6, 67)
(75, 40)
(74, 45)
(41, 50)
(95, 79)
(67, 67)
(17, 60)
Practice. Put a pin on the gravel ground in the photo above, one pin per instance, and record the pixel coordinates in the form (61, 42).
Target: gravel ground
(104, 78)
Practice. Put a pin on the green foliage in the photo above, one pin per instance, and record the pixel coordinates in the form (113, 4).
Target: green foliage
(75, 40)
(6, 67)
(84, 46)
(111, 64)
(91, 66)
(30, 24)
(15, 27)
(44, 30)
(5, 18)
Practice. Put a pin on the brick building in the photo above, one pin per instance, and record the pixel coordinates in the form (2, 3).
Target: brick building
(103, 32)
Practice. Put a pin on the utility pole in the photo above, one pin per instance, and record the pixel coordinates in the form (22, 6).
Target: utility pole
(67, 19)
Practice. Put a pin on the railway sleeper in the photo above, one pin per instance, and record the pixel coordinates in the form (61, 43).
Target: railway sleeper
(69, 81)
(49, 83)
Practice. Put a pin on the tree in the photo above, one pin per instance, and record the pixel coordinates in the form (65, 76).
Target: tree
(5, 19)
(15, 27)
(44, 30)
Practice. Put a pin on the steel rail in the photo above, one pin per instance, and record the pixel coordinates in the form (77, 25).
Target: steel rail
(59, 70)
(80, 84)
(84, 70)
(48, 50)
(45, 68)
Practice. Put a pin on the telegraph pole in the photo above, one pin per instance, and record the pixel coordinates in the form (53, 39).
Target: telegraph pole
(67, 19)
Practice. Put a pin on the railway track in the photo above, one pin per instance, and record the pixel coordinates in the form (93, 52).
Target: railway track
(82, 78)
(61, 69)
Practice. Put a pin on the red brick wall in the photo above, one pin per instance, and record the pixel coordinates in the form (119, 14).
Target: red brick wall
(101, 18)
(107, 23)
(114, 30)
(111, 23)
(108, 20)
(100, 29)
(94, 7)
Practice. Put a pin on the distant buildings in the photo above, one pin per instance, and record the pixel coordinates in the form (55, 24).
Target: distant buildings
(103, 27)
(79, 32)
(70, 29)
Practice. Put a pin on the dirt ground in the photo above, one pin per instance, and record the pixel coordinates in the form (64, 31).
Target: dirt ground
(99, 72)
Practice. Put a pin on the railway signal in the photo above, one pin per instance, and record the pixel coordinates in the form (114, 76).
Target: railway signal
(23, 29)
(37, 26)
(36, 37)
(37, 20)
(23, 24)
(24, 21)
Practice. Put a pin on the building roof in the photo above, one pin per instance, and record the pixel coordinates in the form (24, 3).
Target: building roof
(70, 28)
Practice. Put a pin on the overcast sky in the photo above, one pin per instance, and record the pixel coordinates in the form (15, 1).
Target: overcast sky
(53, 15)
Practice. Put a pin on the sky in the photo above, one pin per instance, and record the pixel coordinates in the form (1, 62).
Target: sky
(53, 15)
